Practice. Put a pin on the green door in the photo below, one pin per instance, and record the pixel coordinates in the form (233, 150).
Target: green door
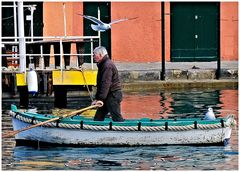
(91, 9)
(194, 31)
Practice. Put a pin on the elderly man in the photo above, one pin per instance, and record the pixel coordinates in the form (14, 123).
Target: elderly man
(108, 87)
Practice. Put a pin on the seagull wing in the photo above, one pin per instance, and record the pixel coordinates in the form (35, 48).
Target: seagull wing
(120, 20)
(209, 116)
(93, 19)
(96, 28)
(116, 21)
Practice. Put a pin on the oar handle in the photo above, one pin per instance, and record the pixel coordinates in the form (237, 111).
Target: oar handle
(12, 133)
(82, 110)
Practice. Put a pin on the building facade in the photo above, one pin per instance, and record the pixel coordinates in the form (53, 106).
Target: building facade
(194, 31)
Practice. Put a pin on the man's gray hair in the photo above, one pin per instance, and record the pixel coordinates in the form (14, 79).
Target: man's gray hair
(100, 51)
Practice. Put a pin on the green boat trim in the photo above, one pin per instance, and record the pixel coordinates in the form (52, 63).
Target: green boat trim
(144, 122)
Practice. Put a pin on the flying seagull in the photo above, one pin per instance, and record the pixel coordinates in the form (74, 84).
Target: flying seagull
(209, 115)
(101, 26)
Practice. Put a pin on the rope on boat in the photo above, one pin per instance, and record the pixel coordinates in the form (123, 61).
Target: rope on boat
(121, 128)
(202, 127)
(124, 128)
(181, 128)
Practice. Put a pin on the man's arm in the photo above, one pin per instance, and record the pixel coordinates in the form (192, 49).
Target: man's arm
(105, 84)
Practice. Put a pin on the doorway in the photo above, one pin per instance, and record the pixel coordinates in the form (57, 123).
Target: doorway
(194, 31)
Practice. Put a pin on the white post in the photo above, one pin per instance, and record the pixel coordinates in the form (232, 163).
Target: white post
(15, 20)
(32, 11)
(22, 45)
(99, 33)
(64, 19)
(15, 50)
(41, 58)
(91, 52)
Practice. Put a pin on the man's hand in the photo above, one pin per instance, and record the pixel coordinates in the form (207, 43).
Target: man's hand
(94, 102)
(97, 102)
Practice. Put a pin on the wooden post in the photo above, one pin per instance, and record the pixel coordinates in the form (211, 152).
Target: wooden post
(163, 40)
(41, 82)
(49, 84)
(45, 82)
(218, 71)
(24, 97)
(13, 82)
(60, 96)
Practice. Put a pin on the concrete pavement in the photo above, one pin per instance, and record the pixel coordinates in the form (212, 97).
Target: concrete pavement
(177, 70)
(174, 70)
(175, 65)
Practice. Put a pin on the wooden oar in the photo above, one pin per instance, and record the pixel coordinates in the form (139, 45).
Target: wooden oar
(12, 133)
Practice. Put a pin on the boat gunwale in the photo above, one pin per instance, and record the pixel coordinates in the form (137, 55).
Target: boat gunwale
(144, 122)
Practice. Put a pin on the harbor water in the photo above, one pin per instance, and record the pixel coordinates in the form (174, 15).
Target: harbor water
(151, 104)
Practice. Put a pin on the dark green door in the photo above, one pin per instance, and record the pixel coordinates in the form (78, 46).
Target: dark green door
(91, 9)
(194, 31)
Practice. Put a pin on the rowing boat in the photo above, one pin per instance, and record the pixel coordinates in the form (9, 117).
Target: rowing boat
(82, 131)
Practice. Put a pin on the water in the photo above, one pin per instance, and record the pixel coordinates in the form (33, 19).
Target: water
(155, 104)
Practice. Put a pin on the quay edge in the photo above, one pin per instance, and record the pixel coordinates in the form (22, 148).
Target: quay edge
(180, 84)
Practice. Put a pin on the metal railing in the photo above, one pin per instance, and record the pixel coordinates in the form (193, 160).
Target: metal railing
(51, 40)
(20, 41)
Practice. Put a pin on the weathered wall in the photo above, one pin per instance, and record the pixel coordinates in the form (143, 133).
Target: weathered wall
(54, 22)
(136, 40)
(229, 30)
(139, 40)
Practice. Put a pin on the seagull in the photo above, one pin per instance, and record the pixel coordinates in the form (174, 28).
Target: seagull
(101, 26)
(209, 115)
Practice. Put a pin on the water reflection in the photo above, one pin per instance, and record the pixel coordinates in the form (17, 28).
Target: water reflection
(169, 104)
(125, 158)
(184, 103)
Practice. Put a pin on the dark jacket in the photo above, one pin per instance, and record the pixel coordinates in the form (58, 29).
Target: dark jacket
(107, 78)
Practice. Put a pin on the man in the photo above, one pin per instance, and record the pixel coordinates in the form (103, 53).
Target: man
(108, 87)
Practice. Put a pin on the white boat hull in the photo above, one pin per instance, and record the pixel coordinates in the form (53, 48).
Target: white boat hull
(118, 138)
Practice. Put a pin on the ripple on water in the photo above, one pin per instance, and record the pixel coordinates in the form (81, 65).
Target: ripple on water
(175, 103)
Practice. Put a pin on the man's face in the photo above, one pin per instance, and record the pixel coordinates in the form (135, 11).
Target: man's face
(97, 58)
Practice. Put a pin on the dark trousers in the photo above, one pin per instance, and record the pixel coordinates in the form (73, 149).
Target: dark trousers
(113, 105)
